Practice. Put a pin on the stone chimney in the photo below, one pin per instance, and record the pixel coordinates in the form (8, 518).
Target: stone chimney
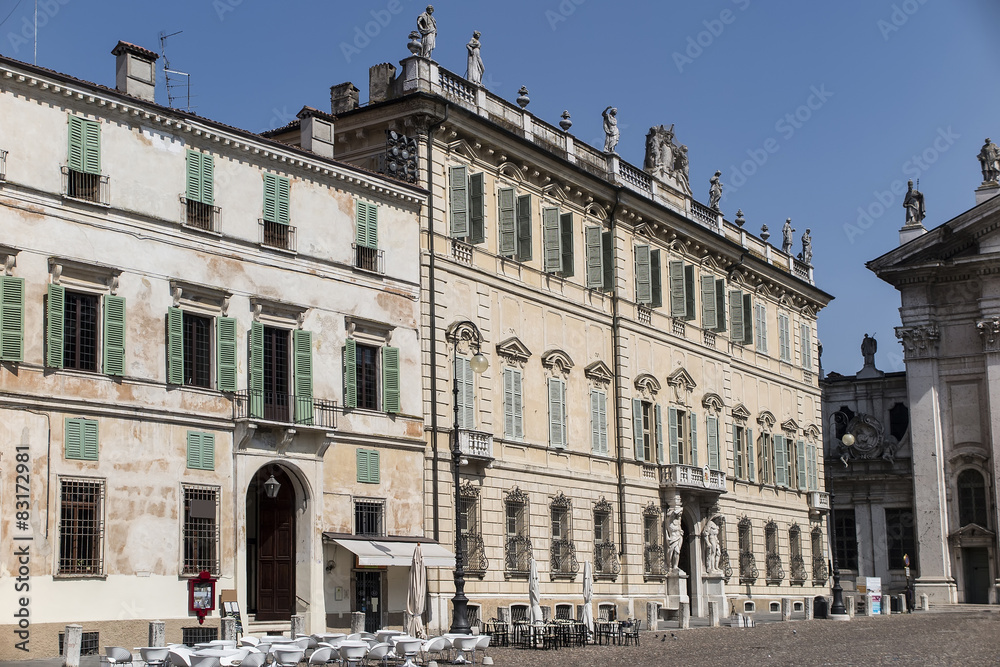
(135, 71)
(380, 80)
(343, 98)
(317, 131)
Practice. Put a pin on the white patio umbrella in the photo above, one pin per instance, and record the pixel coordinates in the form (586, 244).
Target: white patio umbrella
(415, 599)
(588, 596)
(534, 593)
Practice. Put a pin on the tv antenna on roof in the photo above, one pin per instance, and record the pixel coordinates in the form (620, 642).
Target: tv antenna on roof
(177, 88)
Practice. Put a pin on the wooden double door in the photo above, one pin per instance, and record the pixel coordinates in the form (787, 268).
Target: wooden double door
(275, 553)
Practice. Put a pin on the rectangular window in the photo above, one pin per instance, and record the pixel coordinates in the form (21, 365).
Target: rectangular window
(367, 374)
(712, 436)
(760, 322)
(847, 539)
(197, 350)
(517, 548)
(366, 252)
(200, 189)
(682, 435)
(805, 340)
(765, 459)
(813, 483)
(557, 241)
(720, 306)
(201, 530)
(84, 160)
(739, 452)
(80, 439)
(781, 462)
(80, 331)
(524, 228)
(368, 517)
(784, 338)
(276, 230)
(562, 549)
(276, 370)
(682, 288)
(593, 237)
(899, 538)
(709, 303)
(11, 318)
(740, 317)
(513, 413)
(647, 430)
(466, 204)
(465, 379)
(643, 275)
(200, 450)
(599, 421)
(72, 330)
(81, 526)
(557, 413)
(368, 466)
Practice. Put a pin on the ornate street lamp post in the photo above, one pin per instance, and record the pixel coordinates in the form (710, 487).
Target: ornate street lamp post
(479, 363)
(838, 611)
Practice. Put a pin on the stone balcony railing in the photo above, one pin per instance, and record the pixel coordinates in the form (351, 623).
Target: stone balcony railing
(819, 502)
(476, 444)
(692, 478)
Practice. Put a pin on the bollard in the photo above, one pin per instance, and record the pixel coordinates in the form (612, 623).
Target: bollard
(886, 605)
(924, 602)
(851, 607)
(685, 615)
(807, 606)
(357, 621)
(298, 625)
(713, 614)
(229, 628)
(652, 615)
(786, 609)
(868, 604)
(71, 645)
(902, 602)
(157, 633)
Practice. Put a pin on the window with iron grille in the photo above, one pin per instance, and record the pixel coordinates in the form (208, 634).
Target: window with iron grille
(653, 563)
(90, 643)
(201, 530)
(972, 499)
(198, 635)
(819, 560)
(605, 553)
(518, 545)
(797, 564)
(474, 549)
(775, 571)
(197, 350)
(562, 550)
(748, 564)
(80, 331)
(368, 517)
(81, 526)
(847, 539)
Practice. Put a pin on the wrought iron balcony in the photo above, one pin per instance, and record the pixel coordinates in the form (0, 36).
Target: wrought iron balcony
(606, 563)
(692, 478)
(819, 502)
(748, 568)
(775, 573)
(798, 570)
(369, 259)
(517, 556)
(277, 235)
(820, 571)
(652, 560)
(563, 559)
(474, 550)
(727, 568)
(201, 216)
(92, 188)
(284, 408)
(476, 444)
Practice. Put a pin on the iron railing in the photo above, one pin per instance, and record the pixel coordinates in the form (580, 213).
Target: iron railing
(284, 408)
(563, 558)
(606, 560)
(748, 568)
(798, 569)
(201, 216)
(92, 188)
(277, 235)
(727, 568)
(652, 560)
(820, 571)
(517, 555)
(369, 259)
(474, 551)
(775, 573)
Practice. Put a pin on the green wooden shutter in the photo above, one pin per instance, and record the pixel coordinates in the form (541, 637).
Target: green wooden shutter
(524, 228)
(270, 197)
(637, 428)
(508, 402)
(805, 340)
(11, 318)
(780, 461)
(712, 425)
(368, 466)
(693, 434)
(390, 380)
(466, 393)
(194, 449)
(599, 421)
(361, 457)
(372, 226)
(76, 149)
(720, 305)
(602, 407)
(811, 464)
(458, 200)
(802, 476)
(208, 451)
(518, 407)
(733, 430)
(751, 468)
(55, 303)
(551, 241)
(643, 286)
(595, 257)
(257, 370)
(374, 470)
(303, 372)
(557, 423)
(760, 322)
(91, 147)
(655, 280)
(784, 338)
(208, 183)
(689, 290)
(114, 335)
(283, 204)
(747, 319)
(608, 260)
(595, 438)
(566, 229)
(709, 304)
(736, 316)
(350, 374)
(193, 178)
(175, 346)
(508, 224)
(678, 305)
(658, 425)
(675, 454)
(361, 226)
(73, 438)
(477, 208)
(225, 338)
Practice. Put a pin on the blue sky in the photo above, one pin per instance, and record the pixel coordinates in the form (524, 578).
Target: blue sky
(850, 96)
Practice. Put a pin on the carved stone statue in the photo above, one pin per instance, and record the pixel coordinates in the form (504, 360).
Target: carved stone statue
(869, 346)
(787, 240)
(681, 166)
(474, 71)
(675, 538)
(914, 205)
(715, 191)
(807, 247)
(610, 129)
(870, 439)
(989, 161)
(713, 551)
(659, 150)
(427, 25)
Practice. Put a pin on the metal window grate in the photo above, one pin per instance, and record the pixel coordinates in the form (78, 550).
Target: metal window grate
(368, 515)
(200, 215)
(197, 350)
(201, 530)
(277, 235)
(80, 331)
(367, 376)
(369, 259)
(90, 643)
(81, 526)
(198, 635)
(85, 187)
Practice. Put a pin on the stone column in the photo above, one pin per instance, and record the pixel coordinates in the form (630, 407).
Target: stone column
(713, 614)
(685, 615)
(920, 346)
(298, 625)
(229, 628)
(989, 332)
(72, 641)
(807, 605)
(786, 609)
(652, 615)
(157, 633)
(357, 622)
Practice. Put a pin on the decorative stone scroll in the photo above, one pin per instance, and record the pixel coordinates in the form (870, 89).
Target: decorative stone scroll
(989, 332)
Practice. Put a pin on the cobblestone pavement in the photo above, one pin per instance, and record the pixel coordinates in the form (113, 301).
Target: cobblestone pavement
(956, 638)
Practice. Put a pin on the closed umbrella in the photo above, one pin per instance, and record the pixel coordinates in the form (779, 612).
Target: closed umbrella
(415, 589)
(588, 595)
(534, 593)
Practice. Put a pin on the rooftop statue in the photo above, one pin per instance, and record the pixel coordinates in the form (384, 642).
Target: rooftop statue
(715, 191)
(427, 25)
(474, 71)
(914, 205)
(989, 161)
(787, 240)
(807, 247)
(610, 129)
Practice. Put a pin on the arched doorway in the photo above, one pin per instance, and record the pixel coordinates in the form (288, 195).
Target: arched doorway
(271, 547)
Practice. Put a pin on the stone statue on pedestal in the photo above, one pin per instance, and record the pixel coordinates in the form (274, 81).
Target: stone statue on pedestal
(787, 240)
(474, 71)
(914, 205)
(427, 25)
(715, 191)
(869, 346)
(989, 161)
(610, 129)
(807, 247)
(710, 539)
(675, 538)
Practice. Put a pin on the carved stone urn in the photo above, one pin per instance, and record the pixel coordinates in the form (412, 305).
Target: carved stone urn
(565, 123)
(414, 44)
(522, 97)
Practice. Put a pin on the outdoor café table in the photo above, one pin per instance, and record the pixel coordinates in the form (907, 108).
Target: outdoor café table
(606, 632)
(384, 635)
(406, 647)
(154, 655)
(328, 636)
(461, 643)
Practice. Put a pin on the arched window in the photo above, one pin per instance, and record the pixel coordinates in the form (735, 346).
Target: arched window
(971, 499)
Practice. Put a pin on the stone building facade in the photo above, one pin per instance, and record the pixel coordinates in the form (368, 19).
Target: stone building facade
(188, 312)
(651, 364)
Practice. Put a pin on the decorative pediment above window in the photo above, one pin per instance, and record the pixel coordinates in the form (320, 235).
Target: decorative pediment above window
(199, 297)
(602, 506)
(512, 171)
(370, 331)
(597, 211)
(740, 412)
(812, 432)
(516, 496)
(740, 278)
(87, 275)
(971, 535)
(465, 336)
(766, 420)
(599, 372)
(765, 290)
(682, 383)
(513, 351)
(469, 490)
(560, 501)
(557, 360)
(462, 147)
(555, 192)
(808, 311)
(647, 384)
(790, 425)
(712, 401)
(710, 262)
(787, 301)
(652, 509)
(274, 311)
